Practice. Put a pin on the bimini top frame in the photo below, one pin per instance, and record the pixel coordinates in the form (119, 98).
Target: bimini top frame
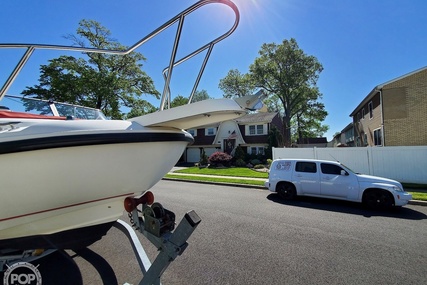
(167, 72)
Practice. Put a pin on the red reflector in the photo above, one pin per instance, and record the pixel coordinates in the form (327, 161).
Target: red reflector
(131, 203)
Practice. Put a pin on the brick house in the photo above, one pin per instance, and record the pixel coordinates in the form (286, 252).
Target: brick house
(394, 113)
(250, 132)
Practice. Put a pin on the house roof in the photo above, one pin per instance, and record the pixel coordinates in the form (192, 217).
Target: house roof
(380, 86)
(256, 118)
(312, 140)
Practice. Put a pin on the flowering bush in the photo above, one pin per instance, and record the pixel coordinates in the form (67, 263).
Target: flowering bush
(218, 158)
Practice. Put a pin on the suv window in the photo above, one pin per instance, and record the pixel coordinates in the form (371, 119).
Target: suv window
(330, 168)
(305, 167)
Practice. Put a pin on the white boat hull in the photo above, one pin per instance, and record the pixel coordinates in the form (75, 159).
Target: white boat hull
(56, 189)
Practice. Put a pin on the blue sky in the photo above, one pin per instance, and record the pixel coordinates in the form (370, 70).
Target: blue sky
(360, 43)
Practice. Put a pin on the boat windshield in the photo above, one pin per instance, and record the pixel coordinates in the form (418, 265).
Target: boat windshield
(49, 108)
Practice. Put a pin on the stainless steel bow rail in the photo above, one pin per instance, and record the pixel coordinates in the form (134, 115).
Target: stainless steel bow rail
(167, 72)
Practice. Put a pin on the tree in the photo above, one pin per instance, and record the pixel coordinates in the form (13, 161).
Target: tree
(106, 82)
(290, 75)
(308, 121)
(236, 84)
(179, 101)
(200, 96)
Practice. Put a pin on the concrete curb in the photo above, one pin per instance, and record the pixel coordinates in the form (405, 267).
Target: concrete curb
(411, 202)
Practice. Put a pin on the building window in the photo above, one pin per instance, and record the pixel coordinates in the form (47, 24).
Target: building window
(251, 130)
(378, 137)
(192, 132)
(256, 129)
(210, 131)
(371, 110)
(256, 150)
(363, 113)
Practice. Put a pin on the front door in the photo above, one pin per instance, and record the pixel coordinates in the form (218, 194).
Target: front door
(334, 181)
(229, 145)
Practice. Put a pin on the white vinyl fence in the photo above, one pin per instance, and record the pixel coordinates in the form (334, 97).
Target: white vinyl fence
(406, 164)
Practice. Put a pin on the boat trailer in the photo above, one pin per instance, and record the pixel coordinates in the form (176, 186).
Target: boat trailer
(149, 218)
(156, 224)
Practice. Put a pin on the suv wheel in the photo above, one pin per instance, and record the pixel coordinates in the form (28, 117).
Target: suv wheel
(286, 191)
(378, 199)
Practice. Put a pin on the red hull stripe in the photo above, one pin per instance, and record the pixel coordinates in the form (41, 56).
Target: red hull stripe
(64, 207)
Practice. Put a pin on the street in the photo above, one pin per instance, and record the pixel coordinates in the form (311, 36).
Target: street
(249, 236)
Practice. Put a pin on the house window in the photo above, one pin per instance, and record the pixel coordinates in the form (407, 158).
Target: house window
(257, 150)
(378, 137)
(251, 130)
(371, 110)
(363, 113)
(256, 129)
(210, 131)
(192, 132)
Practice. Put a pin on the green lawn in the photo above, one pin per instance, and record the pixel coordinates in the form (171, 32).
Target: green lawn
(246, 172)
(233, 171)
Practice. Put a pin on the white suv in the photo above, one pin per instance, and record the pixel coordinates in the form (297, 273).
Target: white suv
(329, 179)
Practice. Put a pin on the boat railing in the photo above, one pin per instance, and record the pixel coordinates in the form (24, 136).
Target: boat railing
(167, 72)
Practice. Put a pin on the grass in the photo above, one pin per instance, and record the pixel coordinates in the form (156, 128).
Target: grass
(246, 172)
(233, 171)
(216, 179)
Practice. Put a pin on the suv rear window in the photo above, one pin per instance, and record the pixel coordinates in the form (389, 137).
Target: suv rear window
(302, 166)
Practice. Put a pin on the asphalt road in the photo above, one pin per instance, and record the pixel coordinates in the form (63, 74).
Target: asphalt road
(249, 236)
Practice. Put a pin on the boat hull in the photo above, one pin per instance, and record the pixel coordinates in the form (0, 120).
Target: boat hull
(81, 181)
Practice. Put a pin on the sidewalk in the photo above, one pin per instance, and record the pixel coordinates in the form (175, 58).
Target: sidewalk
(412, 202)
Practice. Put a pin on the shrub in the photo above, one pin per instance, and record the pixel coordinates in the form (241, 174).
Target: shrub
(218, 158)
(259, 166)
(240, 163)
(203, 158)
(239, 153)
(255, 161)
(269, 161)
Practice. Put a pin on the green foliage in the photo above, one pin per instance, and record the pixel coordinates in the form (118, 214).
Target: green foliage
(269, 161)
(200, 96)
(287, 72)
(240, 163)
(255, 161)
(239, 153)
(102, 81)
(179, 101)
(232, 171)
(259, 166)
(203, 158)
(289, 76)
(236, 84)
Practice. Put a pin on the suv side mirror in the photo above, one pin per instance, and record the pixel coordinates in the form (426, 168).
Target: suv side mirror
(344, 173)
